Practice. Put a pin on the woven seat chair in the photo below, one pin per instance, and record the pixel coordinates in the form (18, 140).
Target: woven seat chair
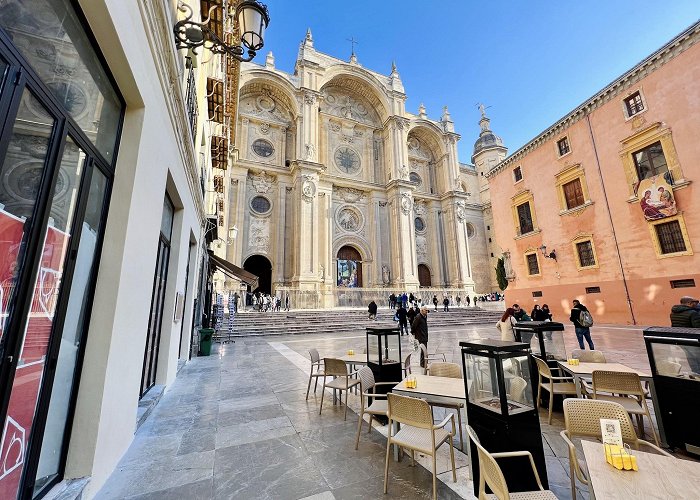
(490, 473)
(517, 389)
(342, 380)
(555, 385)
(418, 433)
(407, 365)
(368, 390)
(582, 420)
(430, 357)
(588, 356)
(316, 370)
(451, 370)
(624, 388)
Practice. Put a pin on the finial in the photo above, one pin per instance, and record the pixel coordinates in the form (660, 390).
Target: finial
(353, 57)
(270, 60)
(421, 110)
(482, 108)
(393, 67)
(446, 114)
(309, 40)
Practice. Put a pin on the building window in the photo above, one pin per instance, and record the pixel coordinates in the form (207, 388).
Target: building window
(517, 174)
(563, 146)
(491, 254)
(525, 223)
(263, 148)
(650, 161)
(592, 289)
(415, 178)
(260, 205)
(670, 237)
(537, 293)
(471, 231)
(419, 224)
(573, 194)
(488, 228)
(634, 104)
(533, 265)
(685, 283)
(586, 258)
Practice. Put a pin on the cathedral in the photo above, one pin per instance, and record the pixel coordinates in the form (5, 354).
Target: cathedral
(340, 195)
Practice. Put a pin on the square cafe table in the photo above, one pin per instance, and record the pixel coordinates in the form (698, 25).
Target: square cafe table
(441, 390)
(585, 370)
(658, 477)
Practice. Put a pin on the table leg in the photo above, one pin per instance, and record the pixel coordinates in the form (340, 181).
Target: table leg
(394, 429)
(465, 423)
(657, 414)
(577, 381)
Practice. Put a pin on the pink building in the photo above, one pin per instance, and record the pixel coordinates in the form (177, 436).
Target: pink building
(604, 205)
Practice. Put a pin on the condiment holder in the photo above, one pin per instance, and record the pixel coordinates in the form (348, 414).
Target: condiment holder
(573, 362)
(411, 382)
(620, 457)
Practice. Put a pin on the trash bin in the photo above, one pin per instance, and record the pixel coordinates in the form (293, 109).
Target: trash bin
(205, 340)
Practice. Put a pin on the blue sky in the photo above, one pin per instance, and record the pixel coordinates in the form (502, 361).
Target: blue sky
(530, 61)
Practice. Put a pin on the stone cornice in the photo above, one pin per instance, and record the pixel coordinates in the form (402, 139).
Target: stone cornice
(677, 46)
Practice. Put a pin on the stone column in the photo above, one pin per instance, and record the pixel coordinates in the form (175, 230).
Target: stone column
(310, 127)
(455, 227)
(397, 152)
(403, 242)
(237, 208)
(325, 243)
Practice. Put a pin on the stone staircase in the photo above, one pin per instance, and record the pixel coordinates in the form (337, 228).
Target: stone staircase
(253, 323)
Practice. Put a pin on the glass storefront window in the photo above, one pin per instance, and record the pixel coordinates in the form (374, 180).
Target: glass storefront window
(51, 37)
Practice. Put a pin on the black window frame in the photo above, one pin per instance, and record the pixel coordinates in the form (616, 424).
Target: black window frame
(530, 262)
(563, 146)
(634, 104)
(527, 220)
(648, 150)
(588, 253)
(676, 240)
(518, 174)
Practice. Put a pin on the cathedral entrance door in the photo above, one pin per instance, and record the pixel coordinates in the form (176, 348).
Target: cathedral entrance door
(424, 275)
(349, 268)
(262, 268)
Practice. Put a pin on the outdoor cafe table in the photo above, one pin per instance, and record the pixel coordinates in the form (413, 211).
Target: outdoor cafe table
(658, 477)
(354, 359)
(440, 390)
(585, 370)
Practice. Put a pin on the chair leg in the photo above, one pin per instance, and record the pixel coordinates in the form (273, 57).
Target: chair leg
(434, 476)
(551, 404)
(386, 462)
(309, 387)
(461, 438)
(323, 391)
(572, 474)
(346, 403)
(452, 456)
(413, 458)
(370, 423)
(316, 384)
(539, 396)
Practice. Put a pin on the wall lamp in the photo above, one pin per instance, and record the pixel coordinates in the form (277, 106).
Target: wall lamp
(550, 255)
(250, 16)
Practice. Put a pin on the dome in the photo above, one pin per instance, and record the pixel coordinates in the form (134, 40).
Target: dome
(487, 139)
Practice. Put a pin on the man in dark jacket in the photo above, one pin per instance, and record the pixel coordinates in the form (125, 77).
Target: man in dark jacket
(581, 331)
(401, 313)
(419, 328)
(372, 310)
(685, 314)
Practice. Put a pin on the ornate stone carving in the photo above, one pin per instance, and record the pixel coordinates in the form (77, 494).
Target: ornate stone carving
(421, 248)
(308, 188)
(420, 208)
(264, 128)
(386, 275)
(259, 234)
(309, 152)
(335, 127)
(406, 203)
(349, 195)
(403, 172)
(310, 98)
(349, 219)
(349, 107)
(461, 211)
(262, 182)
(383, 203)
(401, 122)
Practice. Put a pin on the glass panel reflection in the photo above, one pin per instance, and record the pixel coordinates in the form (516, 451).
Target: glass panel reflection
(682, 361)
(51, 37)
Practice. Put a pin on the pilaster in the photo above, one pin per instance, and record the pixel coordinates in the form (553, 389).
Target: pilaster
(403, 251)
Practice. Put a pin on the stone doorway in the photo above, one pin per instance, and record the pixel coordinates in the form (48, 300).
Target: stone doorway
(424, 278)
(262, 268)
(349, 268)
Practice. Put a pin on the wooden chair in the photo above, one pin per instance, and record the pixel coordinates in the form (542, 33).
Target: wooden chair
(490, 473)
(316, 370)
(555, 385)
(368, 390)
(624, 388)
(582, 420)
(418, 433)
(451, 370)
(342, 380)
(588, 356)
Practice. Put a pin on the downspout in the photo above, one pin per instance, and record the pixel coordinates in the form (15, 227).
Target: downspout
(612, 224)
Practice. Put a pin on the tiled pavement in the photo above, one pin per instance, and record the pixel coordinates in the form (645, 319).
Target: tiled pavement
(237, 425)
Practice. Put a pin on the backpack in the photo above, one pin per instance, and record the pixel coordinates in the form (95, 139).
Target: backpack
(585, 319)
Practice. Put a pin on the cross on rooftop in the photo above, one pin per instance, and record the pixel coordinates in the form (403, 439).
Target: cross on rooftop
(352, 43)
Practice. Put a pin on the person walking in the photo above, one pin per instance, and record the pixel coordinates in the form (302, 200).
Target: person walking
(685, 313)
(435, 302)
(468, 301)
(411, 315)
(372, 310)
(583, 330)
(546, 313)
(505, 325)
(446, 304)
(459, 300)
(419, 329)
(402, 315)
(536, 313)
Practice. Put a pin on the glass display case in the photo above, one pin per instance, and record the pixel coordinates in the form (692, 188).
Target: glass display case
(384, 352)
(546, 339)
(501, 406)
(674, 358)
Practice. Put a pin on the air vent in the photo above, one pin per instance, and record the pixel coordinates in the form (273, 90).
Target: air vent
(537, 293)
(689, 283)
(592, 289)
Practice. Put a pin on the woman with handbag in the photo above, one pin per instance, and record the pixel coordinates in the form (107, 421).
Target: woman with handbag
(506, 325)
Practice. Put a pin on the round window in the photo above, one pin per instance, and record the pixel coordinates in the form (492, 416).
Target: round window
(470, 230)
(415, 178)
(347, 160)
(263, 148)
(260, 205)
(419, 223)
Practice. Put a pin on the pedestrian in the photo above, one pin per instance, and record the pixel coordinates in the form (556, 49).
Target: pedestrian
(411, 298)
(404, 300)
(435, 302)
(446, 304)
(520, 314)
(459, 300)
(469, 301)
(392, 301)
(402, 315)
(686, 315)
(536, 313)
(505, 325)
(546, 313)
(411, 315)
(580, 318)
(236, 297)
(419, 329)
(372, 310)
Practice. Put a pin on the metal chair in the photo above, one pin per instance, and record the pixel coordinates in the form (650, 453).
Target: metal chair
(407, 365)
(588, 356)
(624, 388)
(582, 420)
(555, 385)
(342, 380)
(418, 433)
(430, 357)
(316, 370)
(368, 390)
(490, 473)
(451, 370)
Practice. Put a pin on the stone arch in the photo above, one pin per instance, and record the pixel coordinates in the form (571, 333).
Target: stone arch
(261, 266)
(361, 82)
(356, 242)
(258, 81)
(425, 154)
(425, 276)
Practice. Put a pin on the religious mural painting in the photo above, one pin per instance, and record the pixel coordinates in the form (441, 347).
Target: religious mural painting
(347, 273)
(656, 198)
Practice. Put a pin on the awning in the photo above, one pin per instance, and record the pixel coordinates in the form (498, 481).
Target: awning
(234, 271)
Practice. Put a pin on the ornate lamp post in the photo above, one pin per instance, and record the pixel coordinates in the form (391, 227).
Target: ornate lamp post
(249, 16)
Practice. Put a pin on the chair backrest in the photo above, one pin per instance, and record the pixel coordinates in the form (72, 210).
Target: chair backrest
(366, 378)
(315, 358)
(335, 367)
(489, 471)
(410, 411)
(517, 388)
(451, 370)
(407, 363)
(543, 367)
(424, 350)
(588, 356)
(582, 418)
(626, 383)
(668, 368)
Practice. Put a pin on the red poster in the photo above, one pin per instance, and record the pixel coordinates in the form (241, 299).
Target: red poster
(27, 382)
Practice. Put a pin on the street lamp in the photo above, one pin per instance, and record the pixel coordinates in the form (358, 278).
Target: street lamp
(550, 255)
(251, 17)
(232, 233)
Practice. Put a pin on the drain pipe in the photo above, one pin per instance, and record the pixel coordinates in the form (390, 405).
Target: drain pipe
(612, 224)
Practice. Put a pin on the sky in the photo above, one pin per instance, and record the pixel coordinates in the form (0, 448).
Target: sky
(530, 62)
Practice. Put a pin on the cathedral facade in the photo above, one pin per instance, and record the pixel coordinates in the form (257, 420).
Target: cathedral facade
(340, 196)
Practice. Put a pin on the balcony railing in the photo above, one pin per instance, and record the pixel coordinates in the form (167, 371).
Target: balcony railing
(191, 102)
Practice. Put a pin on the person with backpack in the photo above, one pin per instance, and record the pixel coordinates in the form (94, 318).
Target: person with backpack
(582, 321)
